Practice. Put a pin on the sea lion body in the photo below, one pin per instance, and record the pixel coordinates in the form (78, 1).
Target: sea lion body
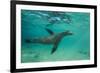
(52, 39)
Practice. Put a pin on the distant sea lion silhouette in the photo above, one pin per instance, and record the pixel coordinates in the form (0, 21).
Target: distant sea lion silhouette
(52, 39)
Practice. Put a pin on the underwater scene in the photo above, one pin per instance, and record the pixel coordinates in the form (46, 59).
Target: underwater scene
(48, 36)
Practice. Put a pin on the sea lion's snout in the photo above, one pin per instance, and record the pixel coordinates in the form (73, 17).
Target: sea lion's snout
(69, 33)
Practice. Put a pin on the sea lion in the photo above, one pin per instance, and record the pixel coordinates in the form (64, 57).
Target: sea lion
(52, 39)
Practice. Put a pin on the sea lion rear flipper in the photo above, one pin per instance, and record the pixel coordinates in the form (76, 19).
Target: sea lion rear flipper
(50, 31)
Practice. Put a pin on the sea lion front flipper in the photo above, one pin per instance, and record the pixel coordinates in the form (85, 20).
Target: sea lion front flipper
(54, 49)
(49, 31)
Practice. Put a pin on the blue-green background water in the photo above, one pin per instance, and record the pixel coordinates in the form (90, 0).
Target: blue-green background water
(74, 47)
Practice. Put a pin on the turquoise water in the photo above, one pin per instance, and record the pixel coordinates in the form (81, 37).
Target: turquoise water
(72, 47)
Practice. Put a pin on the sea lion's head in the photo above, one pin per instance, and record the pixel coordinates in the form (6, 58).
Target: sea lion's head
(67, 33)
